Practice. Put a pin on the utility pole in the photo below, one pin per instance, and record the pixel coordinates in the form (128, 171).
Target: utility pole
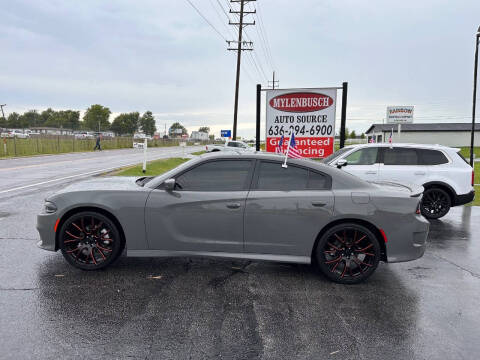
(3, 114)
(274, 82)
(241, 46)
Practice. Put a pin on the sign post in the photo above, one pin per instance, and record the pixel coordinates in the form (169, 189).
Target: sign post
(144, 155)
(309, 114)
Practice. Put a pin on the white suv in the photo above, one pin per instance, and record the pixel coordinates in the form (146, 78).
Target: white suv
(444, 173)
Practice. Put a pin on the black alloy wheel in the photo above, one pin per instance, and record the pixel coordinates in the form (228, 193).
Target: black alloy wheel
(90, 241)
(435, 203)
(348, 253)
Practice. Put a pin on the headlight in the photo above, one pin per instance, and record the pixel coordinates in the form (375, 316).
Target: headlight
(49, 207)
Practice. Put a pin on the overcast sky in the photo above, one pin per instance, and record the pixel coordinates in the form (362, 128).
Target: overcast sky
(162, 56)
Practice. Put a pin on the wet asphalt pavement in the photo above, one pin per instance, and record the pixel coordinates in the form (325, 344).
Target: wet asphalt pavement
(203, 308)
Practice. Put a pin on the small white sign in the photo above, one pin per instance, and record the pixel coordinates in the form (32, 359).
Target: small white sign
(399, 114)
(138, 145)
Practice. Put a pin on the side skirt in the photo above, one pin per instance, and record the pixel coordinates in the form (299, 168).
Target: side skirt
(266, 257)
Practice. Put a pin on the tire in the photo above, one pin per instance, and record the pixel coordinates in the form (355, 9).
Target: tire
(436, 203)
(90, 241)
(348, 253)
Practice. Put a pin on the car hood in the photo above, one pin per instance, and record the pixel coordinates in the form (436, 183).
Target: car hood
(103, 184)
(409, 189)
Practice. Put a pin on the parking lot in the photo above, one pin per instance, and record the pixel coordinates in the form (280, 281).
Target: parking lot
(209, 308)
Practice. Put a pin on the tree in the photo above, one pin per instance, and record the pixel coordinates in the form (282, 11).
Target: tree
(353, 135)
(13, 120)
(29, 119)
(45, 116)
(362, 136)
(126, 124)
(147, 123)
(70, 119)
(175, 129)
(96, 118)
(204, 129)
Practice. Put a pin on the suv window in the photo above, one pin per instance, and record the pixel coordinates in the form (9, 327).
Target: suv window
(400, 156)
(431, 157)
(222, 175)
(272, 176)
(232, 144)
(365, 156)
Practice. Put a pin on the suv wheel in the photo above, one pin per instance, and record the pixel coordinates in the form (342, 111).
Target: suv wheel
(435, 203)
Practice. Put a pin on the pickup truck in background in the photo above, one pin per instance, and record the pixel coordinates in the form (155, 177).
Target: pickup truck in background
(230, 146)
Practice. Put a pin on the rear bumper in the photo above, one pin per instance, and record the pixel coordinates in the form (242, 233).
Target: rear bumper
(410, 242)
(464, 198)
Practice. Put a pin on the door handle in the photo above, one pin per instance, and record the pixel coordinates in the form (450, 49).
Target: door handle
(419, 172)
(233, 205)
(318, 203)
(370, 172)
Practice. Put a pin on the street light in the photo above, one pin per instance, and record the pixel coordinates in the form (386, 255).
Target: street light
(472, 138)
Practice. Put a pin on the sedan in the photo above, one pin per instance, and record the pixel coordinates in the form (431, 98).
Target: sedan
(243, 206)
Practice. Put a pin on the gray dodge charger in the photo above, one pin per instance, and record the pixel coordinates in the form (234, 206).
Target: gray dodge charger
(244, 206)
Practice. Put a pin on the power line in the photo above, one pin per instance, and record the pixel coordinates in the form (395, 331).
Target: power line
(206, 20)
(263, 30)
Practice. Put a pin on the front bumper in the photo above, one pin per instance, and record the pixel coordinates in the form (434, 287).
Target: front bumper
(46, 229)
(464, 198)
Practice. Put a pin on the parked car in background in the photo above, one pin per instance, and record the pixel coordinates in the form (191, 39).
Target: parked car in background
(230, 146)
(442, 171)
(84, 135)
(141, 136)
(305, 213)
(20, 134)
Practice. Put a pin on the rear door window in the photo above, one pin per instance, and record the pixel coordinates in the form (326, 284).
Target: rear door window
(400, 156)
(431, 157)
(272, 176)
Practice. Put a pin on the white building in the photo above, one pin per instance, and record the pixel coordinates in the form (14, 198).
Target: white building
(197, 135)
(448, 134)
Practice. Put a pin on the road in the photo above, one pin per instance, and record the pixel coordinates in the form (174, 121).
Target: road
(19, 174)
(205, 309)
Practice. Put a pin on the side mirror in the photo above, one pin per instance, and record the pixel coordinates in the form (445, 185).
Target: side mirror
(341, 163)
(169, 184)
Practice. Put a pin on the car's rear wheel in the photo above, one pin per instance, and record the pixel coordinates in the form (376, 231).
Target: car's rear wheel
(436, 203)
(90, 240)
(348, 253)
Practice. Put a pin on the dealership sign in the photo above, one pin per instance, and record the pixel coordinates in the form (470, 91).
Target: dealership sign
(399, 114)
(308, 113)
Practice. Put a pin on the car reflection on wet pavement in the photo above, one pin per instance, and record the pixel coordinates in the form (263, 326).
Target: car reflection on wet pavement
(203, 308)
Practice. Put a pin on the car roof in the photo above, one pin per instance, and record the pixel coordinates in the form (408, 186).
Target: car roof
(422, 146)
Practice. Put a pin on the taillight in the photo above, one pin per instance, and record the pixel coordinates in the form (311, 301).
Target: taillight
(206, 148)
(417, 211)
(473, 177)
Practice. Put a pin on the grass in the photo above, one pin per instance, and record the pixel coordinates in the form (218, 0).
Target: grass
(465, 151)
(39, 145)
(154, 168)
(199, 152)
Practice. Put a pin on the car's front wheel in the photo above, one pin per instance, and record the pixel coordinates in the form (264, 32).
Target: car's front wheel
(435, 203)
(90, 241)
(348, 253)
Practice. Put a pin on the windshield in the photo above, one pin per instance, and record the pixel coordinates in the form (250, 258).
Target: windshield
(335, 155)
